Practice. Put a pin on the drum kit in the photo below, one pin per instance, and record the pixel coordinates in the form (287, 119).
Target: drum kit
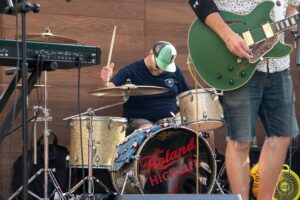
(170, 157)
(159, 159)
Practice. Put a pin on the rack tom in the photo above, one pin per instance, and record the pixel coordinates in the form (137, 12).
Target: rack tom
(200, 109)
(108, 132)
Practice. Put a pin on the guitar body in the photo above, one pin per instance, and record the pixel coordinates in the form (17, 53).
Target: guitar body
(215, 64)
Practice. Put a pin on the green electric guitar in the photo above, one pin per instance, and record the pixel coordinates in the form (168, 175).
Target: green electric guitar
(217, 66)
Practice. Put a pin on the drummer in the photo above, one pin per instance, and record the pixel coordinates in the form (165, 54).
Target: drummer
(158, 68)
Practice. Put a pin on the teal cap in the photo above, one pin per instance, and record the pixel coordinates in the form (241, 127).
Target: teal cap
(165, 54)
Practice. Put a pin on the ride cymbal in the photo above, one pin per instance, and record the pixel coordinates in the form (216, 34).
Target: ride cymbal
(128, 90)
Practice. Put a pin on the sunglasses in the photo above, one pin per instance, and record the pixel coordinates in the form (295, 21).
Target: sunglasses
(156, 64)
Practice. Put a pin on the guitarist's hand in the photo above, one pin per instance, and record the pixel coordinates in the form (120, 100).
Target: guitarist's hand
(233, 41)
(237, 45)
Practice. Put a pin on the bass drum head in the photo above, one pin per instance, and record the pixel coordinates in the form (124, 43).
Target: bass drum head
(166, 163)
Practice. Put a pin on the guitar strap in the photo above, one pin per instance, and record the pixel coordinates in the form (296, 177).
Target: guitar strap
(278, 10)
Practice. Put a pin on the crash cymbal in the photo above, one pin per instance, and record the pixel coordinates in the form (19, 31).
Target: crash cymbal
(128, 90)
(47, 36)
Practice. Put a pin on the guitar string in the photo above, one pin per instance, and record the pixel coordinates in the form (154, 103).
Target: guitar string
(258, 32)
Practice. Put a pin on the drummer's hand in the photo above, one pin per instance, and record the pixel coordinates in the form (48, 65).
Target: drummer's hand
(106, 74)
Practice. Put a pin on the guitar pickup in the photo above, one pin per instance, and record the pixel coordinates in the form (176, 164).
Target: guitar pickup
(248, 38)
(268, 30)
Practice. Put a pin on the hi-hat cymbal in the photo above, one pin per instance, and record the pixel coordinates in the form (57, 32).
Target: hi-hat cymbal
(47, 36)
(128, 90)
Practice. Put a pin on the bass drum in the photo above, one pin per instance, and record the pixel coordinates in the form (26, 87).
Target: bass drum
(162, 159)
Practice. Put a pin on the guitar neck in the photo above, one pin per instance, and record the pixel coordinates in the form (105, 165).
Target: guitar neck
(269, 30)
(284, 24)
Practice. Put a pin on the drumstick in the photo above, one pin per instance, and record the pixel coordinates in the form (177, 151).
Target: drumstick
(111, 45)
(111, 48)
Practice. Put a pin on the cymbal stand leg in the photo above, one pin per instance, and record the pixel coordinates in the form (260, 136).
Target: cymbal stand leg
(47, 172)
(104, 186)
(90, 156)
(124, 184)
(219, 187)
(31, 179)
(35, 120)
(220, 183)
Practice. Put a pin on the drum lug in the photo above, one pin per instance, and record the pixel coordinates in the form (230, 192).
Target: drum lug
(76, 158)
(124, 127)
(191, 97)
(70, 124)
(97, 160)
(94, 149)
(136, 157)
(109, 125)
(204, 115)
(214, 155)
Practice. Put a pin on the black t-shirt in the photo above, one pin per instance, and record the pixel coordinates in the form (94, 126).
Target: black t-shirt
(151, 107)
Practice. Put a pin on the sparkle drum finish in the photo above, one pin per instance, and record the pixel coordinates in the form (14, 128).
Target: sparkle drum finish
(200, 109)
(108, 132)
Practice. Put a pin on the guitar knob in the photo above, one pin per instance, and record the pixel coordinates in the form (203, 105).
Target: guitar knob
(219, 76)
(230, 68)
(243, 74)
(231, 82)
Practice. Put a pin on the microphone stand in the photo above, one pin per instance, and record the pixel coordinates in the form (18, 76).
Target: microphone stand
(24, 7)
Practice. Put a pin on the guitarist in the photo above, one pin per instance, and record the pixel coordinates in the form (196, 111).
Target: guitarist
(269, 94)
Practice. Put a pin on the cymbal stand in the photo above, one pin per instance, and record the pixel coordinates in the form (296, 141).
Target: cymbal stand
(90, 178)
(47, 172)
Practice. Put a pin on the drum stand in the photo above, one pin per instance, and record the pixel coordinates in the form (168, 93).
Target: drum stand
(218, 184)
(90, 178)
(129, 175)
(47, 172)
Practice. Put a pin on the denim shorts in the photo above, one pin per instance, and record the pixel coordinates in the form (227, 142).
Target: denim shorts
(268, 95)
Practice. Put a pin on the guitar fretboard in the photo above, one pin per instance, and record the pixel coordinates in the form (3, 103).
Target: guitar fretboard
(285, 24)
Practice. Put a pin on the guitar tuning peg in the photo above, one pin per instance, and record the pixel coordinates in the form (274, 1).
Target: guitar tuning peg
(278, 3)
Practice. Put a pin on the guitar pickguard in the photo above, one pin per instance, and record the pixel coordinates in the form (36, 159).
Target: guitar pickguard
(260, 49)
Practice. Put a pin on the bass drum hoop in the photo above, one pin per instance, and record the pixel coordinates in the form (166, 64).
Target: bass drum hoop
(133, 165)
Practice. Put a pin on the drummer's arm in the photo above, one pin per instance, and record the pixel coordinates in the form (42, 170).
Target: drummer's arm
(106, 84)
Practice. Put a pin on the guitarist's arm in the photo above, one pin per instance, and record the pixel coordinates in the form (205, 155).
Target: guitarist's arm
(292, 10)
(208, 12)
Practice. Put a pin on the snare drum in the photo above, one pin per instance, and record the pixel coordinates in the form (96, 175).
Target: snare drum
(162, 159)
(108, 132)
(200, 109)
